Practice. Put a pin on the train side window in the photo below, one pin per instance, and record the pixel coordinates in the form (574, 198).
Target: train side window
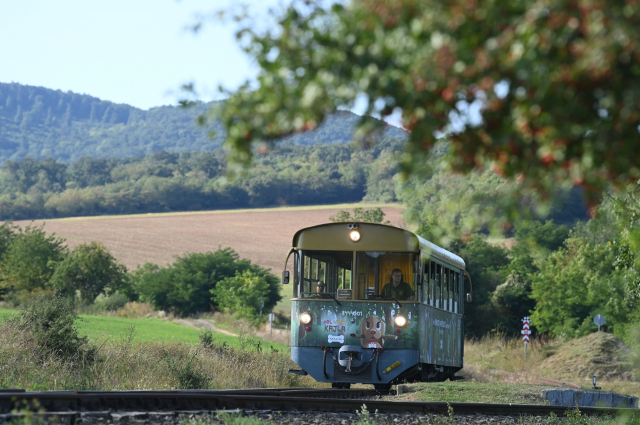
(456, 292)
(426, 281)
(438, 286)
(445, 288)
(452, 283)
(432, 276)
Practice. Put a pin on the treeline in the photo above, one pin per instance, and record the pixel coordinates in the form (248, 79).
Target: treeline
(287, 175)
(40, 123)
(34, 264)
(190, 181)
(558, 276)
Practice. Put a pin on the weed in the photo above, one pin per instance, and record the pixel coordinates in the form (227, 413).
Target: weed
(225, 419)
(451, 414)
(364, 417)
(188, 377)
(25, 413)
(206, 339)
(248, 343)
(51, 324)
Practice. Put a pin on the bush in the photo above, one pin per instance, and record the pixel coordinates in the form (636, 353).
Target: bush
(184, 287)
(243, 294)
(50, 324)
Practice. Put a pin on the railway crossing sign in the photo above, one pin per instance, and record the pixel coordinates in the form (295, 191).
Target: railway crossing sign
(599, 321)
(525, 333)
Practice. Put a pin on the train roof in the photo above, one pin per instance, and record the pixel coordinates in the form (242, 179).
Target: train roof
(374, 237)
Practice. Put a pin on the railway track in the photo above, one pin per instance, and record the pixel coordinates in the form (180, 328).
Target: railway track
(70, 406)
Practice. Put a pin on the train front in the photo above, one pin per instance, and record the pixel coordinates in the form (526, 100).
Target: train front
(354, 315)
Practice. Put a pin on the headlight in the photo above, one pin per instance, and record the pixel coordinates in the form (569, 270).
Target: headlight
(400, 321)
(354, 235)
(305, 318)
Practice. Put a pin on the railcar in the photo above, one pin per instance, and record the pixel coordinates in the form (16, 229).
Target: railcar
(353, 322)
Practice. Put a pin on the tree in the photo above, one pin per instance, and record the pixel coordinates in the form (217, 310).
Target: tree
(556, 83)
(30, 260)
(7, 233)
(574, 284)
(375, 215)
(89, 269)
(486, 264)
(185, 287)
(244, 294)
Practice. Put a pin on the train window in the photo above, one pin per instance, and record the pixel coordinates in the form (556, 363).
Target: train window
(445, 288)
(432, 276)
(326, 273)
(456, 291)
(438, 285)
(385, 275)
(426, 282)
(452, 284)
(344, 278)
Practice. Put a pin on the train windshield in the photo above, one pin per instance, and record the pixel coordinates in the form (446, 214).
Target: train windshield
(357, 275)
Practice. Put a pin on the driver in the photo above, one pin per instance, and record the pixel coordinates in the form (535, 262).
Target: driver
(320, 287)
(397, 288)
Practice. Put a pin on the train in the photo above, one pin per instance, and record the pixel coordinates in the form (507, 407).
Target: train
(375, 304)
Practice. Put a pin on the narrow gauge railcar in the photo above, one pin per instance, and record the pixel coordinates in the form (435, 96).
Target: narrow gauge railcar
(374, 304)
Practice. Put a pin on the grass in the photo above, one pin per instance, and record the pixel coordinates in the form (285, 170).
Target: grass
(124, 363)
(495, 358)
(474, 392)
(119, 329)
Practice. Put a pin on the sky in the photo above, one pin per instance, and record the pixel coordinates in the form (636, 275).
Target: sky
(138, 52)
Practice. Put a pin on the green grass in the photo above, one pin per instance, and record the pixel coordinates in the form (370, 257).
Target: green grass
(118, 329)
(475, 392)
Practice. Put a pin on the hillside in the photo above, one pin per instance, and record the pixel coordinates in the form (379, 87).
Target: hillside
(38, 122)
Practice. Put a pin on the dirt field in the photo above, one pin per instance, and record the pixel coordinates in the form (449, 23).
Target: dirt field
(264, 236)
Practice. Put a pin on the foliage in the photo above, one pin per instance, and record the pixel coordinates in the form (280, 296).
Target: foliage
(164, 181)
(124, 365)
(89, 269)
(626, 243)
(51, 323)
(244, 294)
(486, 266)
(29, 261)
(185, 287)
(38, 123)
(555, 83)
(7, 233)
(375, 215)
(574, 284)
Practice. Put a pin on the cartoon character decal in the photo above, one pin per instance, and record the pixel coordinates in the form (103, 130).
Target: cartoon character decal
(372, 333)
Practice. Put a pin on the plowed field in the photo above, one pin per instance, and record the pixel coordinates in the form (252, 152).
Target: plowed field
(263, 236)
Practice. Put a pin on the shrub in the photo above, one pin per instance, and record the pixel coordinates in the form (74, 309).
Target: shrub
(50, 324)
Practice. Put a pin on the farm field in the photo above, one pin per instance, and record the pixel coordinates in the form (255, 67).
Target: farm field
(261, 235)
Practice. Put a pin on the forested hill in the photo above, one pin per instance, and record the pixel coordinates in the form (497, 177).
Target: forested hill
(40, 123)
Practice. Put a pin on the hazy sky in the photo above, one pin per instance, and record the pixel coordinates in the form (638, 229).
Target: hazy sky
(136, 52)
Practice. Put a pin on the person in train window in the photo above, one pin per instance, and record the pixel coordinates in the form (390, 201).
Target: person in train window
(320, 287)
(397, 288)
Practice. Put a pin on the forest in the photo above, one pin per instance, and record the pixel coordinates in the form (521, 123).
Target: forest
(41, 123)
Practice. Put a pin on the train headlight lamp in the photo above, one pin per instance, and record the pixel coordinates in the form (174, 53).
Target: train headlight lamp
(305, 318)
(400, 321)
(354, 235)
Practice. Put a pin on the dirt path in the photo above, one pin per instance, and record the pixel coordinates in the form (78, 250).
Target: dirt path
(202, 324)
